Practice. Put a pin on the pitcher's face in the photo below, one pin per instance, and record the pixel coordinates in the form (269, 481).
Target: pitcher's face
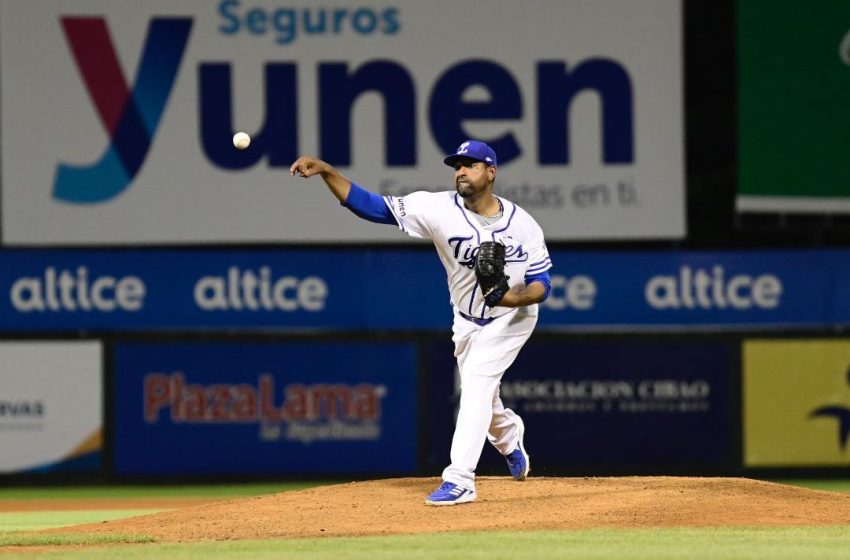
(472, 176)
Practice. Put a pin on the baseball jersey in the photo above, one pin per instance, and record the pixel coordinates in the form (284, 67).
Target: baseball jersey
(442, 218)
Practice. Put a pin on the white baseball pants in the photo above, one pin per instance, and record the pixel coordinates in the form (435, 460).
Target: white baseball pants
(483, 355)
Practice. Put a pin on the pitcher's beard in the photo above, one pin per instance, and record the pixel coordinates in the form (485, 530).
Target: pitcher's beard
(465, 191)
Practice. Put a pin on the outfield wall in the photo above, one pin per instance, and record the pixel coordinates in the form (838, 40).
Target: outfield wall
(259, 363)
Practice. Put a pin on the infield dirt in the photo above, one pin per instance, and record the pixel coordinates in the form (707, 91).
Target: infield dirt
(396, 506)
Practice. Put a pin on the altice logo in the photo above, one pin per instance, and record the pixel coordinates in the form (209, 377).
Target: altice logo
(130, 117)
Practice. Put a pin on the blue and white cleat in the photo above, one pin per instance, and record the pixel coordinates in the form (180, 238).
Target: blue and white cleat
(519, 462)
(449, 494)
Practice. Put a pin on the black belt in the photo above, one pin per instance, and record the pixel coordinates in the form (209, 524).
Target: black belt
(477, 321)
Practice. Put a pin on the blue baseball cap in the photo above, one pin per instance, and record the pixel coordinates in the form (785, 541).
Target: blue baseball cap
(472, 149)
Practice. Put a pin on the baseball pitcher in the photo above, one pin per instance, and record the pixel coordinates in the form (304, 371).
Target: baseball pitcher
(497, 270)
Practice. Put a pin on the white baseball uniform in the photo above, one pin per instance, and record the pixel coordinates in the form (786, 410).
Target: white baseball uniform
(487, 339)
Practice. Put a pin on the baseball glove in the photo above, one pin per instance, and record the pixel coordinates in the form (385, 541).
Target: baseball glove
(490, 272)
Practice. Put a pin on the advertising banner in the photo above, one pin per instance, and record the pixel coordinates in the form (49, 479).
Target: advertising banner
(117, 125)
(796, 403)
(603, 405)
(794, 122)
(189, 289)
(681, 289)
(264, 408)
(51, 416)
(298, 289)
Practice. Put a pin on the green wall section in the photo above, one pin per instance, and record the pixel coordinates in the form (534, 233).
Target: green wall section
(794, 98)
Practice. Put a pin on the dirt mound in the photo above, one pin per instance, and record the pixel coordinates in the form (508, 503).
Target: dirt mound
(396, 506)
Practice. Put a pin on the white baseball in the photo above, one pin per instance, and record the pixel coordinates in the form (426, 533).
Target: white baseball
(241, 140)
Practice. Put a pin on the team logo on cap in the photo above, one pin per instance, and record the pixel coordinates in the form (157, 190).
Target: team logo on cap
(462, 149)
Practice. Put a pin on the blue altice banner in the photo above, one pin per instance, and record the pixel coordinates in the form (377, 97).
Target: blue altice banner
(264, 408)
(364, 289)
(732, 289)
(192, 289)
(619, 406)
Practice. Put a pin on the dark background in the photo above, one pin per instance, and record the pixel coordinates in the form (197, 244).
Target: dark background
(711, 150)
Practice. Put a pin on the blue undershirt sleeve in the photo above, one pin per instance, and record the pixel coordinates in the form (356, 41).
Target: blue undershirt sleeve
(369, 206)
(543, 278)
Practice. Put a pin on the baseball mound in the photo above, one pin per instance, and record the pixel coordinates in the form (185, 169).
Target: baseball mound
(396, 506)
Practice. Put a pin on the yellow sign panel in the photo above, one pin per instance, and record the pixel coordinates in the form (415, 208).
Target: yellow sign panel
(796, 403)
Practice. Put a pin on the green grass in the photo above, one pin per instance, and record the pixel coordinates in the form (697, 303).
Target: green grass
(598, 544)
(35, 520)
(817, 484)
(206, 490)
